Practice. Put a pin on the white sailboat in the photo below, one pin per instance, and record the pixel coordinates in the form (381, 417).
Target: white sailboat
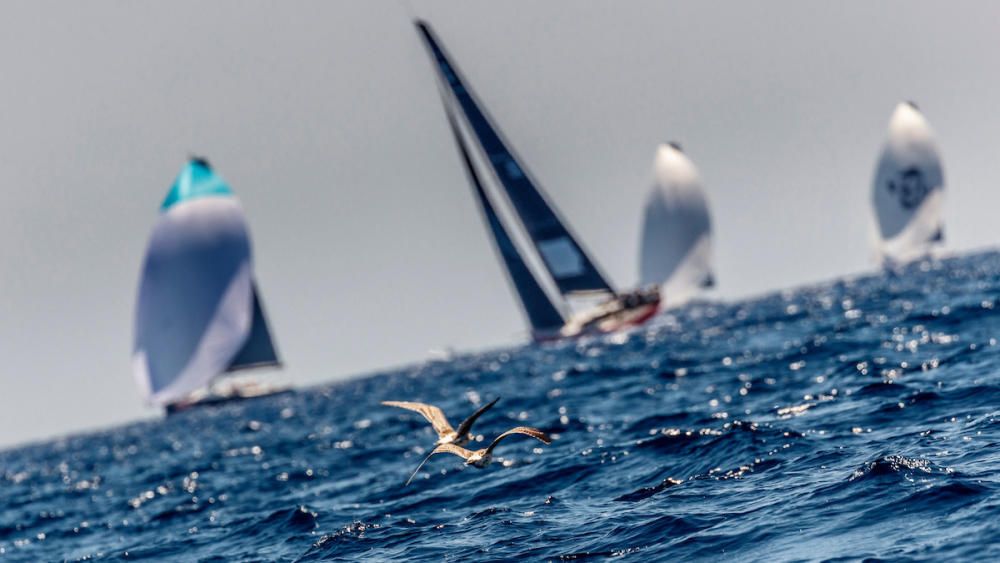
(198, 313)
(908, 190)
(675, 250)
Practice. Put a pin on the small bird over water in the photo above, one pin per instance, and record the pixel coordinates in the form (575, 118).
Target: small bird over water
(446, 434)
(482, 458)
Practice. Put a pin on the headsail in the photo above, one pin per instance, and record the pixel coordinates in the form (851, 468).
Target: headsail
(543, 316)
(908, 190)
(571, 269)
(197, 304)
(675, 250)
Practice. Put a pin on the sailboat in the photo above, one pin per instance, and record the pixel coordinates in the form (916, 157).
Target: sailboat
(570, 269)
(676, 245)
(908, 190)
(199, 314)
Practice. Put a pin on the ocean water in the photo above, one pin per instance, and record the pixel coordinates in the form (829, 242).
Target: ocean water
(854, 419)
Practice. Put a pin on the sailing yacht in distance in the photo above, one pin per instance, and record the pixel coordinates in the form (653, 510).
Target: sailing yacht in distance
(573, 273)
(676, 244)
(198, 313)
(908, 190)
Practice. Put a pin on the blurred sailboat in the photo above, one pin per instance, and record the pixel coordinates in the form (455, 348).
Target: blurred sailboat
(570, 270)
(908, 191)
(199, 314)
(676, 245)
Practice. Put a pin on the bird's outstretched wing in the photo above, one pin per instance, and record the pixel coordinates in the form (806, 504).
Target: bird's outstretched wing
(452, 449)
(466, 425)
(526, 430)
(430, 412)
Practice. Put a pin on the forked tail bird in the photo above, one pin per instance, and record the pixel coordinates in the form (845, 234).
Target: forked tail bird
(446, 434)
(482, 458)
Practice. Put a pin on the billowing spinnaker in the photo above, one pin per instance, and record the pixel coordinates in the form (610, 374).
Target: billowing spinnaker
(908, 190)
(197, 307)
(675, 250)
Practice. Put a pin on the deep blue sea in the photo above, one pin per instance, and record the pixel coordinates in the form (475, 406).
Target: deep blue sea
(854, 419)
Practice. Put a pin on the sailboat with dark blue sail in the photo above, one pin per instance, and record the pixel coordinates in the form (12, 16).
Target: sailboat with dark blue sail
(571, 271)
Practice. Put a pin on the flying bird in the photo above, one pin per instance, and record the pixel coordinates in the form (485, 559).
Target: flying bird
(446, 434)
(482, 458)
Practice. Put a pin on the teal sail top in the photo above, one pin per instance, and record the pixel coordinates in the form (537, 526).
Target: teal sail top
(197, 179)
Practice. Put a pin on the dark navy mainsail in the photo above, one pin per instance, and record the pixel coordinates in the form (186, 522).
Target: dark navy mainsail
(571, 269)
(541, 313)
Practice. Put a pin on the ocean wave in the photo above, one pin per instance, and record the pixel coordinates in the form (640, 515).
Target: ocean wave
(848, 420)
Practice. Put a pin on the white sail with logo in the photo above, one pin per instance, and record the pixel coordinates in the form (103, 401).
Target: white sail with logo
(676, 245)
(908, 191)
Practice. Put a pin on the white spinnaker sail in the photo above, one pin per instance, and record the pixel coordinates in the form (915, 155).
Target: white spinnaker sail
(675, 250)
(195, 305)
(908, 191)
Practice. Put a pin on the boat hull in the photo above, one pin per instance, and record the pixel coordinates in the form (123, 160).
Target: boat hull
(222, 399)
(598, 322)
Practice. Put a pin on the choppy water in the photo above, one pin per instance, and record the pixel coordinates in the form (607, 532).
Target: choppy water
(854, 419)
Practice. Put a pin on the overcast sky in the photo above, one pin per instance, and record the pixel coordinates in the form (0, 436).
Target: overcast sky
(325, 119)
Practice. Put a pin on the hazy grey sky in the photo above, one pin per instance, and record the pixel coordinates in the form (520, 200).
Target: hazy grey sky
(325, 119)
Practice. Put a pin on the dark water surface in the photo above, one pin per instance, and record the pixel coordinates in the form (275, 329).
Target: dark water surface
(849, 420)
